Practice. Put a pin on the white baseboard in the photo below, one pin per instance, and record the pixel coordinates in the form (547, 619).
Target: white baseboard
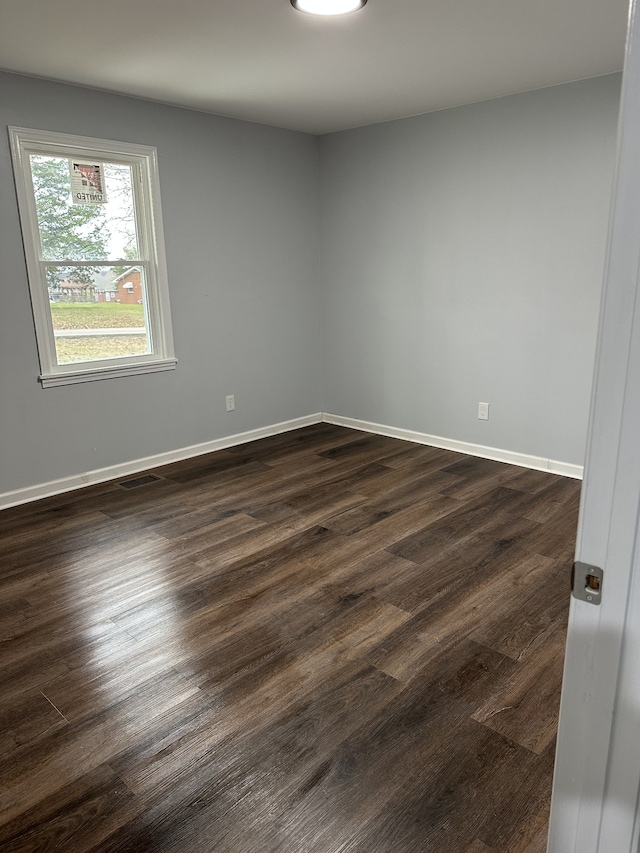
(538, 463)
(135, 466)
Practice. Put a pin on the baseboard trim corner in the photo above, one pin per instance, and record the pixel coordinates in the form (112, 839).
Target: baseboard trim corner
(136, 466)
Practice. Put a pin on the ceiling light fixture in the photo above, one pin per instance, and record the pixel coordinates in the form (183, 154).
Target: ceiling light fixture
(328, 7)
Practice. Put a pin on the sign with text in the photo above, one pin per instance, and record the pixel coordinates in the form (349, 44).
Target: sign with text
(87, 182)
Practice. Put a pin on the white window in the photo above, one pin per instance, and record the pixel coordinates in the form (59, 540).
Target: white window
(91, 219)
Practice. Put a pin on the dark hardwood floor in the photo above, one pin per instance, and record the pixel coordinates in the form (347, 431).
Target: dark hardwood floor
(321, 642)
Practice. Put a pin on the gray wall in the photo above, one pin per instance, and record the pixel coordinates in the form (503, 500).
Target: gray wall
(240, 205)
(462, 258)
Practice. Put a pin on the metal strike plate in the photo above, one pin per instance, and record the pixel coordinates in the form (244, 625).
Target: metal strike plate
(587, 583)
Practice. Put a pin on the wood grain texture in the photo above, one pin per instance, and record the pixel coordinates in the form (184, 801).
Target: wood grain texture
(320, 642)
(525, 708)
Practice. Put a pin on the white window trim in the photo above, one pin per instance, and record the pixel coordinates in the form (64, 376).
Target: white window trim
(144, 160)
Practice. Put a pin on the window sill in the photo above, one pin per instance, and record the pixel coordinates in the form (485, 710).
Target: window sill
(74, 377)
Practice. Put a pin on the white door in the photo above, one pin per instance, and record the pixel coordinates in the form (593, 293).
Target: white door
(597, 777)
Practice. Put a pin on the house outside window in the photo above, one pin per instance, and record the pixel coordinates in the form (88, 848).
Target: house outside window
(130, 289)
(92, 230)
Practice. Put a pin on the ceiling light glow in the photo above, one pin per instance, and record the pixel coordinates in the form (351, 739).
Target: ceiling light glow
(328, 7)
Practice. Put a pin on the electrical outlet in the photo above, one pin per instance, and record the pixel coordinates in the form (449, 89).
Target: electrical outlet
(231, 402)
(483, 411)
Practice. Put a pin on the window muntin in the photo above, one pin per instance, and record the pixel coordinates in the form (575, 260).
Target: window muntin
(96, 266)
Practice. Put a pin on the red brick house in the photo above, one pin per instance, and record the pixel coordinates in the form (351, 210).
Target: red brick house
(129, 286)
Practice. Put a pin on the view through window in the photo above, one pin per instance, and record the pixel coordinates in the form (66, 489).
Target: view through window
(91, 226)
(98, 311)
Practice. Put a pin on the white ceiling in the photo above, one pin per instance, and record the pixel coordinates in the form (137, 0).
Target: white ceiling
(261, 60)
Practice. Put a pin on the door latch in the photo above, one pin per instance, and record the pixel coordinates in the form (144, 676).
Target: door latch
(587, 583)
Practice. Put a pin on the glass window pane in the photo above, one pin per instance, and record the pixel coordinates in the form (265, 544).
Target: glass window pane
(89, 211)
(88, 230)
(120, 212)
(98, 312)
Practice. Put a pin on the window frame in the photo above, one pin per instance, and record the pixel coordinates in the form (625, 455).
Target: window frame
(146, 189)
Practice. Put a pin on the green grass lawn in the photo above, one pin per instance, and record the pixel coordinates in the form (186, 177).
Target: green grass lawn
(73, 350)
(96, 315)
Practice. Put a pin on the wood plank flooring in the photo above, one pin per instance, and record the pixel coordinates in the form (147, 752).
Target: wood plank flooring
(320, 642)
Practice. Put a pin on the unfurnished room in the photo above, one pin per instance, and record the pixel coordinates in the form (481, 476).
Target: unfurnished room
(320, 395)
